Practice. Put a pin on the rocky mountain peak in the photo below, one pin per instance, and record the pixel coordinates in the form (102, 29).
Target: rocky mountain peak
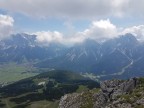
(128, 38)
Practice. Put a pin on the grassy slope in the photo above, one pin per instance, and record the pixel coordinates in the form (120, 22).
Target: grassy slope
(61, 78)
(82, 88)
(13, 72)
(37, 104)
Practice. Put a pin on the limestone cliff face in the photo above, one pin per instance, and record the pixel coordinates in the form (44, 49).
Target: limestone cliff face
(113, 94)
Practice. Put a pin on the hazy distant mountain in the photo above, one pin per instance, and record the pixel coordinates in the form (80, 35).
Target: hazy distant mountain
(78, 58)
(116, 57)
(23, 47)
(117, 54)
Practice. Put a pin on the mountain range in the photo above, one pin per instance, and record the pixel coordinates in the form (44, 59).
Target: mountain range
(120, 57)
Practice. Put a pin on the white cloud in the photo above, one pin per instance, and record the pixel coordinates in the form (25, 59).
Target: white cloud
(73, 40)
(103, 30)
(74, 8)
(46, 37)
(137, 31)
(100, 30)
(6, 26)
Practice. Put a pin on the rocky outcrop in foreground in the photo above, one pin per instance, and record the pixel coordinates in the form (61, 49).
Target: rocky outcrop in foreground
(113, 94)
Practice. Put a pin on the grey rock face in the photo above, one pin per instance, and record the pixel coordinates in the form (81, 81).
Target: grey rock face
(106, 98)
(128, 85)
(123, 105)
(140, 102)
(70, 101)
(99, 100)
(113, 88)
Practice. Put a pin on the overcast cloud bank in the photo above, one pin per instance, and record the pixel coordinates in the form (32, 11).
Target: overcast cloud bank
(6, 26)
(75, 8)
